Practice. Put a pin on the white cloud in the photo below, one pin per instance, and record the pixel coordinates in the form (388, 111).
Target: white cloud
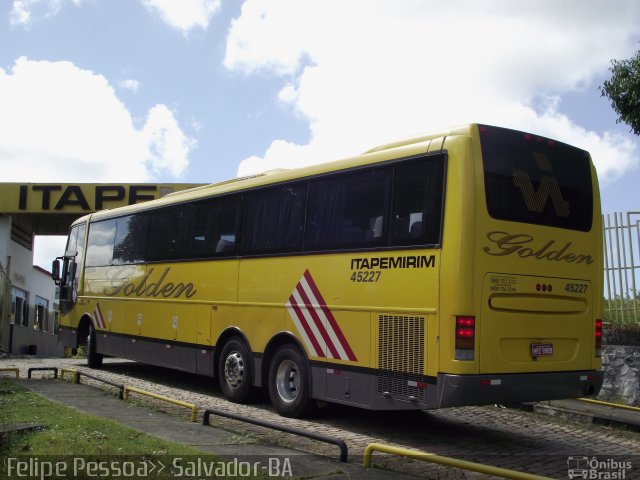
(22, 11)
(367, 71)
(184, 15)
(46, 248)
(62, 123)
(129, 84)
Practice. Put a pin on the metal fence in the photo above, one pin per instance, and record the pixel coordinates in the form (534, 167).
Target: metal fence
(622, 267)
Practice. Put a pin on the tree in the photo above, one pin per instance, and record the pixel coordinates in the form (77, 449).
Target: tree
(623, 89)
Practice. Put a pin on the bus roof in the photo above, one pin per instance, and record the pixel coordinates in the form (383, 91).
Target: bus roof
(425, 143)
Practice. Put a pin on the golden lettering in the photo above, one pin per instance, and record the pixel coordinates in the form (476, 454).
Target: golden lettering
(504, 243)
(154, 288)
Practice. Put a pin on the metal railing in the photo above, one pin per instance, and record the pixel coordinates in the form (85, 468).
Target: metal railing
(42, 369)
(344, 452)
(180, 403)
(447, 461)
(621, 240)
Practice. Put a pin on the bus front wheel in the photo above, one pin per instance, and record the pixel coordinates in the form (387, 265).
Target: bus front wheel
(94, 359)
(235, 371)
(289, 383)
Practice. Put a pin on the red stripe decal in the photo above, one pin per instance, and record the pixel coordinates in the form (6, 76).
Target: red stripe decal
(307, 328)
(318, 321)
(315, 321)
(330, 317)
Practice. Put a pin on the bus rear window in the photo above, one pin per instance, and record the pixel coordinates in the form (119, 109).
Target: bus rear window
(531, 179)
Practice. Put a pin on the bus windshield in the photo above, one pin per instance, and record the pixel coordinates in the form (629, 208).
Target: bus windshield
(535, 180)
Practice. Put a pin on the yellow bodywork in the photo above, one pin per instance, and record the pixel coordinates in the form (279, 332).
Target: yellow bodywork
(194, 302)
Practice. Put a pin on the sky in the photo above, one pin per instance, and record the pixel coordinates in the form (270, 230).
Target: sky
(200, 91)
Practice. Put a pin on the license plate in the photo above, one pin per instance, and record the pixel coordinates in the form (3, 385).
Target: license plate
(541, 349)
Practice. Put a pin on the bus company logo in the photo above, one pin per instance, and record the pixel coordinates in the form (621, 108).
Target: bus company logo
(592, 468)
(536, 200)
(522, 245)
(147, 287)
(317, 326)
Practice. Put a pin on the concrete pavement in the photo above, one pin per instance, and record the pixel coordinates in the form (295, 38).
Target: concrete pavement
(207, 439)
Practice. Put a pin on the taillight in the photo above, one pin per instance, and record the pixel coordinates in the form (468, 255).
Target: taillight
(598, 334)
(465, 337)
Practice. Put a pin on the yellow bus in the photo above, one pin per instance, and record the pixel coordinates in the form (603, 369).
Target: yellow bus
(462, 267)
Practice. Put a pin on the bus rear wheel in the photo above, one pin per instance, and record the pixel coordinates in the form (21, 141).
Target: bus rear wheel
(290, 383)
(235, 371)
(94, 359)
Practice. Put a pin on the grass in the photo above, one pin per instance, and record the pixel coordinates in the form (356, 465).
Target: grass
(68, 431)
(69, 434)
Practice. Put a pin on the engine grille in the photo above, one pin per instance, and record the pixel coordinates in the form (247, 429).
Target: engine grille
(400, 355)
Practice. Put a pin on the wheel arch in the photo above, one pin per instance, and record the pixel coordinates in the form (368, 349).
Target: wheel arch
(224, 338)
(83, 329)
(272, 347)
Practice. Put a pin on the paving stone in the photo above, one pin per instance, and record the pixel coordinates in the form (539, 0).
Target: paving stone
(508, 438)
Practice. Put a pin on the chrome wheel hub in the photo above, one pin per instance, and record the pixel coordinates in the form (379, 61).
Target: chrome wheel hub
(288, 381)
(234, 370)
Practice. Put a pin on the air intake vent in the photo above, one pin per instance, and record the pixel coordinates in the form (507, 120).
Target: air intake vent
(400, 355)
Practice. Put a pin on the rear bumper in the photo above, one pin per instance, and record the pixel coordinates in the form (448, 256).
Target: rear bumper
(458, 390)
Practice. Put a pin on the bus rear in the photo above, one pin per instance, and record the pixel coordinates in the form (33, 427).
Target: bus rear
(524, 324)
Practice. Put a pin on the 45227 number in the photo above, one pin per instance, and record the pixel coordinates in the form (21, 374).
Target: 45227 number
(576, 287)
(365, 277)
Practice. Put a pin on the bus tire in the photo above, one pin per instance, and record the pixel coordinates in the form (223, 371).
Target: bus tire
(94, 359)
(290, 383)
(235, 371)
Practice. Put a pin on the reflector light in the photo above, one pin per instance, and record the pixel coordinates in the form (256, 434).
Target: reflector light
(490, 381)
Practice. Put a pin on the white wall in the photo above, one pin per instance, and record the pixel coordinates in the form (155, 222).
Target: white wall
(32, 279)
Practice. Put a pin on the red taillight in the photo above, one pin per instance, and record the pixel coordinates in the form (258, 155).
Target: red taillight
(598, 335)
(465, 332)
(465, 337)
(466, 322)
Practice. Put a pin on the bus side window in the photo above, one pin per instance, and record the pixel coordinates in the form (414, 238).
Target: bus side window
(273, 220)
(168, 234)
(348, 211)
(130, 240)
(212, 228)
(100, 243)
(417, 202)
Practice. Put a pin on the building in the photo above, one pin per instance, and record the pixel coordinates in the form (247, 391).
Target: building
(28, 305)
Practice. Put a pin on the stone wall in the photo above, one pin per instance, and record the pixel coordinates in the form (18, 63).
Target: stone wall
(621, 365)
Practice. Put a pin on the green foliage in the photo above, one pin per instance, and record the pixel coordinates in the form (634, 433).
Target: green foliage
(622, 310)
(623, 89)
(68, 431)
(81, 352)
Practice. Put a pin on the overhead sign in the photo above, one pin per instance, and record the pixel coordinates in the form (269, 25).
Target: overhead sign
(79, 198)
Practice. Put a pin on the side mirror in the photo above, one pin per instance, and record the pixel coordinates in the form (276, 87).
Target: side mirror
(55, 271)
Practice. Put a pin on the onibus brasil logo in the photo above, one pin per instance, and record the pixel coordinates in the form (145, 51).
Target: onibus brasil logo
(593, 468)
